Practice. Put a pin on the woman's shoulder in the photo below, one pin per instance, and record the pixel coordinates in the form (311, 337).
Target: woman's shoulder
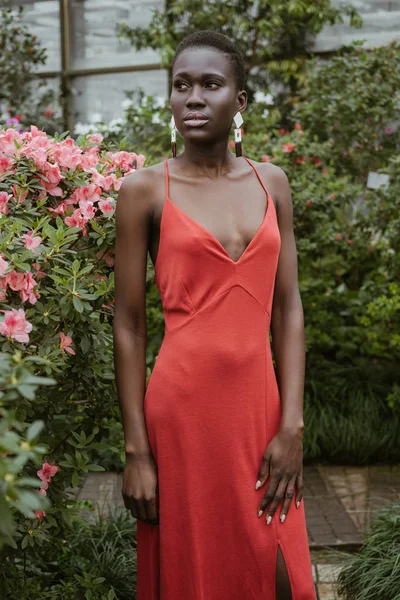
(144, 180)
(270, 170)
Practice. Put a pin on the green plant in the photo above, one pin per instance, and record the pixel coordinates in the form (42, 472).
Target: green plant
(24, 99)
(57, 198)
(374, 573)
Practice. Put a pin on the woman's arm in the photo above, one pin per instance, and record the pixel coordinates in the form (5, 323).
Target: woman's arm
(133, 221)
(287, 319)
(283, 457)
(130, 327)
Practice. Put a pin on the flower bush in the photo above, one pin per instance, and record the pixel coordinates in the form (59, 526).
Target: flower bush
(57, 394)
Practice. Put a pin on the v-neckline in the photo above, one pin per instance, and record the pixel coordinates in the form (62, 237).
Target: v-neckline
(213, 237)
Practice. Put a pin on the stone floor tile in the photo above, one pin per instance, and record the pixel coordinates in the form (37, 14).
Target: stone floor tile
(326, 591)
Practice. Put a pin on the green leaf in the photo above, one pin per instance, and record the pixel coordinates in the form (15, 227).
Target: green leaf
(77, 304)
(95, 468)
(75, 479)
(34, 430)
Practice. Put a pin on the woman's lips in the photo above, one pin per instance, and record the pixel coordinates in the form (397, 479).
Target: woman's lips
(195, 122)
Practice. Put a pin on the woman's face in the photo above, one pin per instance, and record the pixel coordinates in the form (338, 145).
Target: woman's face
(203, 83)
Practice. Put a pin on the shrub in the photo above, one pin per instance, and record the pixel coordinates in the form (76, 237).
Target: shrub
(57, 198)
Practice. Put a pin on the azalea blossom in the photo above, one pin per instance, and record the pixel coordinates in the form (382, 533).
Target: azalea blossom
(47, 472)
(4, 198)
(3, 265)
(15, 326)
(65, 343)
(31, 241)
(288, 147)
(107, 206)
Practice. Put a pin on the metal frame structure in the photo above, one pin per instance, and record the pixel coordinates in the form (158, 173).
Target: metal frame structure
(66, 74)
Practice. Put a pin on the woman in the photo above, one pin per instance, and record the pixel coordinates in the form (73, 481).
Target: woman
(213, 449)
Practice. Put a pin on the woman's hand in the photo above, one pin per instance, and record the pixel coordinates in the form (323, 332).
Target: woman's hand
(139, 488)
(283, 459)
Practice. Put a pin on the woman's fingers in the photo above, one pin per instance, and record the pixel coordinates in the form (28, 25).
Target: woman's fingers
(277, 499)
(151, 511)
(289, 494)
(269, 493)
(263, 473)
(299, 487)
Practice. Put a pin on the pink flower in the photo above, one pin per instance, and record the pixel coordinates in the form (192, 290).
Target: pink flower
(265, 158)
(96, 138)
(4, 198)
(388, 130)
(107, 206)
(283, 131)
(47, 472)
(90, 193)
(6, 162)
(3, 265)
(77, 220)
(31, 241)
(124, 160)
(106, 257)
(66, 342)
(87, 209)
(53, 174)
(15, 326)
(316, 161)
(40, 514)
(15, 280)
(26, 292)
(288, 147)
(106, 182)
(299, 160)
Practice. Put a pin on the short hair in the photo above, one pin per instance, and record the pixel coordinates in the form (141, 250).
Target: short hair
(213, 39)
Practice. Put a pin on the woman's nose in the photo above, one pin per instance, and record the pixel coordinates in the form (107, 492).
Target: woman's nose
(195, 97)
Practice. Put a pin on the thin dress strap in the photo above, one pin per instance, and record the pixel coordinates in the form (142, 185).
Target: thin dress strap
(258, 175)
(166, 178)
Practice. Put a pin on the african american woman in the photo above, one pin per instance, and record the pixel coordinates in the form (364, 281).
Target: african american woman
(214, 440)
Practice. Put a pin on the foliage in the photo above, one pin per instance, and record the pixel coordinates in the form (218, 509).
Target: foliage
(97, 561)
(274, 37)
(363, 122)
(374, 572)
(57, 199)
(23, 98)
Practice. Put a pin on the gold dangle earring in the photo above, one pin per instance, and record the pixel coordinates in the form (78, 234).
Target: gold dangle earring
(173, 136)
(238, 133)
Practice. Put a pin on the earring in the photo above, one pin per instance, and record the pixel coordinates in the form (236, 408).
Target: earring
(173, 136)
(238, 133)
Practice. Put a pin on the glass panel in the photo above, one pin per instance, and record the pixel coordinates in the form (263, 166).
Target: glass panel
(43, 20)
(381, 25)
(94, 42)
(99, 97)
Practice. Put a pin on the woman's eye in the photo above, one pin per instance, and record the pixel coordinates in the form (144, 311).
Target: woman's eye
(212, 83)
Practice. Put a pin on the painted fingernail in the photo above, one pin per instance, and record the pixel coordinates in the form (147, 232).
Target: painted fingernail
(269, 519)
(282, 517)
(260, 512)
(297, 503)
(258, 484)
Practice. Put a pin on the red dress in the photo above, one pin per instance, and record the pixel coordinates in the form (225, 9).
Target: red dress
(211, 407)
